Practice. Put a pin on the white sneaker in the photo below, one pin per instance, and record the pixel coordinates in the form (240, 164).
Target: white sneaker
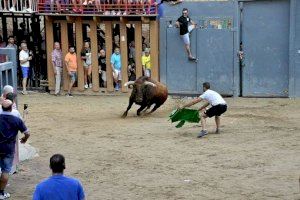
(12, 9)
(4, 196)
(125, 13)
(5, 10)
(90, 85)
(29, 10)
(119, 13)
(86, 86)
(106, 13)
(113, 12)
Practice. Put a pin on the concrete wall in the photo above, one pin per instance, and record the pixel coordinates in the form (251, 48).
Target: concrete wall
(295, 51)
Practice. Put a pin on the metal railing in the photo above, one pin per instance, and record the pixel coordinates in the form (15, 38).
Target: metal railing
(8, 70)
(20, 6)
(97, 7)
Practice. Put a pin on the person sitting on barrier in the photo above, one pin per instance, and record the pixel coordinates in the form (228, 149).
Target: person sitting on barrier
(86, 57)
(24, 58)
(9, 128)
(146, 63)
(75, 6)
(71, 65)
(57, 66)
(59, 186)
(218, 107)
(185, 30)
(115, 61)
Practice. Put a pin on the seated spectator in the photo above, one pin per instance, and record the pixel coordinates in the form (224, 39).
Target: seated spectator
(146, 63)
(53, 3)
(77, 6)
(6, 6)
(58, 186)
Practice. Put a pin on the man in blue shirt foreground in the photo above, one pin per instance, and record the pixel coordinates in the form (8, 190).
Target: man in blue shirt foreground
(58, 186)
(9, 128)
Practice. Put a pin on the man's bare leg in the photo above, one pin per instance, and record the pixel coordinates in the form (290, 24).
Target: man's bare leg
(3, 180)
(218, 121)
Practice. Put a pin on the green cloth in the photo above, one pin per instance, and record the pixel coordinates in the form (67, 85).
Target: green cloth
(184, 115)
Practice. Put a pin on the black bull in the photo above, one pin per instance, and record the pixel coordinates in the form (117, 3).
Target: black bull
(146, 92)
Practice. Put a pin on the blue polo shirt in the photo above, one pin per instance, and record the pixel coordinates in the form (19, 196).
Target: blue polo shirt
(9, 128)
(59, 187)
(116, 61)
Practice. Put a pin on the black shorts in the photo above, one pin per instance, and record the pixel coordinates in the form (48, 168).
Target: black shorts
(216, 110)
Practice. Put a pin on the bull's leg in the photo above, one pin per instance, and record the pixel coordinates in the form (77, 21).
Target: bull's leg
(138, 112)
(128, 108)
(155, 107)
(146, 108)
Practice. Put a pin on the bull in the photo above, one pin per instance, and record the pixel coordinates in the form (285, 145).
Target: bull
(146, 92)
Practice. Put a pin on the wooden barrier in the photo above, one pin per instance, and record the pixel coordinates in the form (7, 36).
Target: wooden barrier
(78, 21)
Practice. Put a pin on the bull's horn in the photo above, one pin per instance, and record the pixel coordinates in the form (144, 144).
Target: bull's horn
(129, 83)
(150, 83)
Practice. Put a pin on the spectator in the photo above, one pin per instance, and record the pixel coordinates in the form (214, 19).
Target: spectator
(102, 66)
(57, 67)
(57, 3)
(71, 65)
(146, 63)
(58, 186)
(22, 34)
(9, 127)
(132, 50)
(115, 61)
(6, 6)
(24, 58)
(29, 9)
(185, 30)
(86, 57)
(2, 45)
(75, 6)
(6, 90)
(11, 42)
(131, 71)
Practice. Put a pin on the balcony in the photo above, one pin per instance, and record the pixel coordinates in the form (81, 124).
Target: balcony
(96, 8)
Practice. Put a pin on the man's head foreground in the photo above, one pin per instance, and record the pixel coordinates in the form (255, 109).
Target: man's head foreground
(206, 86)
(57, 163)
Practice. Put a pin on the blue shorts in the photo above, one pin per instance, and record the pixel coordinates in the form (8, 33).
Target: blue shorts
(25, 71)
(6, 162)
(73, 76)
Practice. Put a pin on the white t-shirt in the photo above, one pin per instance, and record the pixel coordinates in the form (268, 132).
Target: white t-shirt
(24, 55)
(213, 97)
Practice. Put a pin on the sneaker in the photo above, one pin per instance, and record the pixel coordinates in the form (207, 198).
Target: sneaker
(29, 10)
(113, 12)
(202, 133)
(5, 195)
(125, 13)
(86, 86)
(12, 9)
(24, 92)
(69, 95)
(85, 3)
(119, 13)
(90, 85)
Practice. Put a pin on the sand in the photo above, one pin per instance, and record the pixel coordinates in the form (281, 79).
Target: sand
(256, 156)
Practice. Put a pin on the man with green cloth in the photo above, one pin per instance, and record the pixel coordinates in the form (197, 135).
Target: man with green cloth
(218, 107)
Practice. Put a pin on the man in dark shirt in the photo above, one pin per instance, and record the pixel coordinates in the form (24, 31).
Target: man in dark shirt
(102, 66)
(9, 127)
(183, 24)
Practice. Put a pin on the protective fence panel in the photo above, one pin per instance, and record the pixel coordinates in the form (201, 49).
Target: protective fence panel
(265, 36)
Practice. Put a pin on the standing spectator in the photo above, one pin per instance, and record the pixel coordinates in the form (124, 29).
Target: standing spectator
(102, 66)
(58, 186)
(22, 34)
(57, 66)
(146, 63)
(132, 50)
(2, 45)
(9, 128)
(115, 61)
(11, 42)
(29, 9)
(71, 65)
(75, 6)
(86, 57)
(24, 58)
(185, 30)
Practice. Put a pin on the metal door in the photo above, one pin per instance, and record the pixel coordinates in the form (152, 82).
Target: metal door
(181, 73)
(265, 38)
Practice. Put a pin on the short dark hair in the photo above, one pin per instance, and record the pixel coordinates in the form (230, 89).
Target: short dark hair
(185, 9)
(206, 85)
(57, 163)
(11, 36)
(9, 108)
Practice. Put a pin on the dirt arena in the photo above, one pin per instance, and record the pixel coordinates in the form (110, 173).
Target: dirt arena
(257, 155)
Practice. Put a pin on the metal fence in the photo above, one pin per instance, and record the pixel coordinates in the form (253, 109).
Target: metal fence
(8, 70)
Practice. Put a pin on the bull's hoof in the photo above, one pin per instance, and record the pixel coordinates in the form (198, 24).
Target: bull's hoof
(138, 114)
(124, 115)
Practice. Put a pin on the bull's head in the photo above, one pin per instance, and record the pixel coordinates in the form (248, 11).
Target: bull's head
(138, 88)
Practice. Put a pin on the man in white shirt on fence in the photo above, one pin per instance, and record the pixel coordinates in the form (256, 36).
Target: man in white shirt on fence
(218, 107)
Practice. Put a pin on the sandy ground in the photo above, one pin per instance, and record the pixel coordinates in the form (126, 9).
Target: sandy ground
(257, 155)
